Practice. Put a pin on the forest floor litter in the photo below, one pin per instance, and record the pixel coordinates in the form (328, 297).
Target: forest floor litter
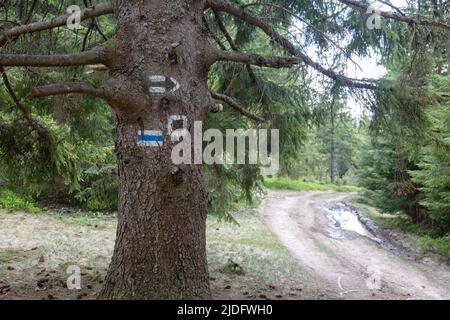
(324, 250)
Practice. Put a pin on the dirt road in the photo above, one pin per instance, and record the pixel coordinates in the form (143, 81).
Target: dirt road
(348, 264)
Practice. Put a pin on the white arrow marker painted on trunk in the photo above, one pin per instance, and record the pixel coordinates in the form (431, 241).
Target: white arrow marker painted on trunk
(163, 84)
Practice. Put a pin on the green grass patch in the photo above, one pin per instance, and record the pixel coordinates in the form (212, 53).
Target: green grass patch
(440, 245)
(77, 217)
(265, 243)
(281, 183)
(12, 201)
(251, 245)
(10, 255)
(87, 219)
(424, 240)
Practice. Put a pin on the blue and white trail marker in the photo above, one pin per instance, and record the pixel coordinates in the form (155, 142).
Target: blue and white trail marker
(150, 138)
(163, 84)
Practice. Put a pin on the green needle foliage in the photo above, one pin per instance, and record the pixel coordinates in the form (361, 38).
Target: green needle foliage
(61, 149)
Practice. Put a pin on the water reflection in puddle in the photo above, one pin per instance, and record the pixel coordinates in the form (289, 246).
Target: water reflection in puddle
(343, 221)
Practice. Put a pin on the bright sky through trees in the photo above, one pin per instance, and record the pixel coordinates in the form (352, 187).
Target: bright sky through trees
(371, 68)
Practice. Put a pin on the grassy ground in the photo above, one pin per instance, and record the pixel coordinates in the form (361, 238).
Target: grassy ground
(245, 261)
(421, 240)
(297, 185)
(12, 201)
(269, 269)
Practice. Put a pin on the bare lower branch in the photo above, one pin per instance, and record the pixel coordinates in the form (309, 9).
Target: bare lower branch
(96, 56)
(236, 106)
(94, 11)
(363, 7)
(233, 45)
(30, 12)
(66, 88)
(240, 12)
(224, 30)
(389, 4)
(257, 60)
(322, 33)
(94, 21)
(213, 35)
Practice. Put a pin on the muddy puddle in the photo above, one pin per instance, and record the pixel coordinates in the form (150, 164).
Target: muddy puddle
(345, 223)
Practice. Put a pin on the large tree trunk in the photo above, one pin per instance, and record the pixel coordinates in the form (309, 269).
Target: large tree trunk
(160, 247)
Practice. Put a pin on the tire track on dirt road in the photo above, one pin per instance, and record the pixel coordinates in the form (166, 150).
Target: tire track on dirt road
(350, 267)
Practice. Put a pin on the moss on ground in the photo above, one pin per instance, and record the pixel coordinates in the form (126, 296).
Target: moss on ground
(422, 240)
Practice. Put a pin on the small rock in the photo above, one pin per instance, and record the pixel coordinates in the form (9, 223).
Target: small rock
(263, 296)
(11, 268)
(228, 287)
(41, 259)
(279, 296)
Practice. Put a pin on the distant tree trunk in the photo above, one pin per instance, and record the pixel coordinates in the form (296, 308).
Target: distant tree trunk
(332, 141)
(160, 251)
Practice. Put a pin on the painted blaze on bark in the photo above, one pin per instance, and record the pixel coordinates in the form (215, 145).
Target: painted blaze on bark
(160, 248)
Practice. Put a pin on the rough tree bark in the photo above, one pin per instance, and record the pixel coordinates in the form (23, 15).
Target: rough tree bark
(160, 249)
